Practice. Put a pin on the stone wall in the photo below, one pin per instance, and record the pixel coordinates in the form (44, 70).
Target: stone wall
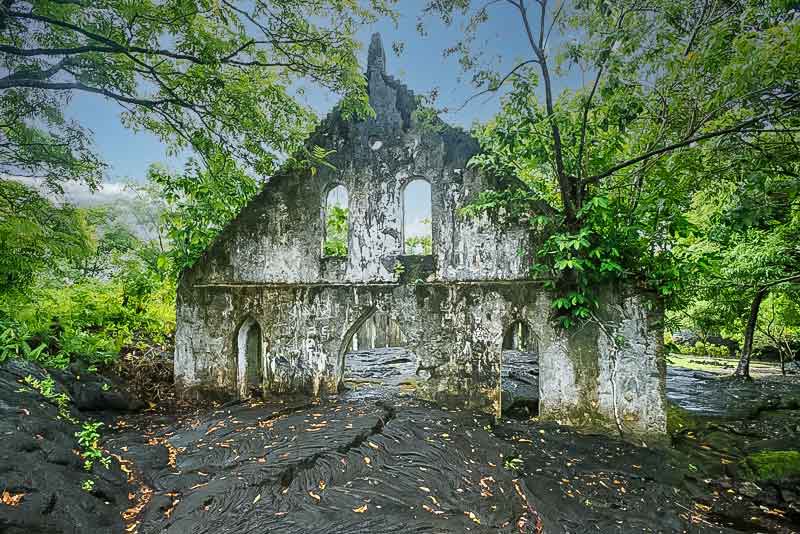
(451, 307)
(609, 373)
(606, 375)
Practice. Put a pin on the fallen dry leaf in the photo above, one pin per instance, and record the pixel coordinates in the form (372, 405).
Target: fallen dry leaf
(12, 499)
(360, 509)
(473, 517)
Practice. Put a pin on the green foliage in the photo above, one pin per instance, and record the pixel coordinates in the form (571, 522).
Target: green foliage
(14, 342)
(89, 320)
(208, 75)
(89, 440)
(46, 388)
(706, 349)
(35, 235)
(417, 242)
(87, 485)
(200, 202)
(513, 463)
(336, 231)
(600, 250)
(90, 303)
(774, 465)
(606, 173)
(420, 244)
(748, 224)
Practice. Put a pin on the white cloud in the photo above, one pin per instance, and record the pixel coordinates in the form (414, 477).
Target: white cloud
(79, 194)
(418, 228)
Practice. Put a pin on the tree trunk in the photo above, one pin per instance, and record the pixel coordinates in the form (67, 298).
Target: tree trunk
(783, 364)
(743, 369)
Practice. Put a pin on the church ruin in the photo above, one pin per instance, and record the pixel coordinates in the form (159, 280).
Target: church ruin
(265, 308)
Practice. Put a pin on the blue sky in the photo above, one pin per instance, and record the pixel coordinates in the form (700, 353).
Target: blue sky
(421, 66)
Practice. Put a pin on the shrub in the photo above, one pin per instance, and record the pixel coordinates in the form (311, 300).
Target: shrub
(90, 320)
(706, 349)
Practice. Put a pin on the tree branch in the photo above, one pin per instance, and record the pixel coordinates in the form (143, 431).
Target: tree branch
(711, 135)
(32, 52)
(498, 85)
(67, 86)
(565, 184)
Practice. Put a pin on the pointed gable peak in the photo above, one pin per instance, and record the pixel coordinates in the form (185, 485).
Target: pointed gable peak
(376, 60)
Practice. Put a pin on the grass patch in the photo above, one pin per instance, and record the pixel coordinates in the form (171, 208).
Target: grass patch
(718, 365)
(774, 465)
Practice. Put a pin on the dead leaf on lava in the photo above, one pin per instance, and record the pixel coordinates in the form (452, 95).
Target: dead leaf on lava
(12, 499)
(473, 517)
(360, 509)
(315, 496)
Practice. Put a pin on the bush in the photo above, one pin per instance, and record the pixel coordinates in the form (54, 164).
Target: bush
(91, 320)
(706, 349)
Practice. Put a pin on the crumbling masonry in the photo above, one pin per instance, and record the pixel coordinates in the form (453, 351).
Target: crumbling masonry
(264, 308)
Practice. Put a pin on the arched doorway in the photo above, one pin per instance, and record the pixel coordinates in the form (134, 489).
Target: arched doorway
(250, 361)
(519, 371)
(375, 353)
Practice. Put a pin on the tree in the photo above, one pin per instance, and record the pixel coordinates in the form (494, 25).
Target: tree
(110, 241)
(199, 203)
(36, 235)
(209, 75)
(749, 228)
(611, 166)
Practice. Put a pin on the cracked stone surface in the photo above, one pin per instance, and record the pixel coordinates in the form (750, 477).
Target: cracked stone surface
(450, 308)
(378, 460)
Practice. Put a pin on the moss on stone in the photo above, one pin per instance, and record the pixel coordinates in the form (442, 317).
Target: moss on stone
(774, 465)
(678, 419)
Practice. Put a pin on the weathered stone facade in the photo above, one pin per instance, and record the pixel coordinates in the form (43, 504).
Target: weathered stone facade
(452, 307)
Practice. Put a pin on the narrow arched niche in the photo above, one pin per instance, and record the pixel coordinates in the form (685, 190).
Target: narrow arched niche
(335, 222)
(417, 218)
(250, 360)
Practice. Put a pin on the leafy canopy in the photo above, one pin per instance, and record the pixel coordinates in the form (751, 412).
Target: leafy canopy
(208, 75)
(607, 170)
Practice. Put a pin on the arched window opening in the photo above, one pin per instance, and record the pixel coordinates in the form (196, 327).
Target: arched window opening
(335, 218)
(250, 360)
(417, 234)
(519, 372)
